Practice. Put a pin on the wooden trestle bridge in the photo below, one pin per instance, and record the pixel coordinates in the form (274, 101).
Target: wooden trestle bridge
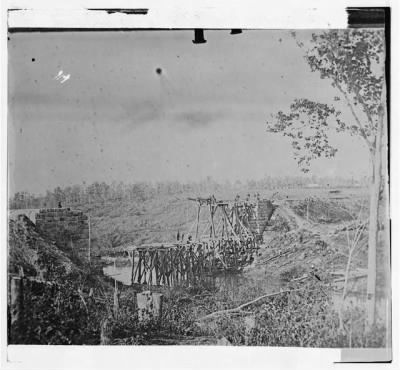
(228, 242)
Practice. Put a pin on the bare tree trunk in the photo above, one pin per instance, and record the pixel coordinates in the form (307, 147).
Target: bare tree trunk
(372, 243)
(374, 214)
(385, 214)
(385, 220)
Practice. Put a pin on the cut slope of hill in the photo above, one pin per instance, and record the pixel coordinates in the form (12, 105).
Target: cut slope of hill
(34, 254)
(114, 223)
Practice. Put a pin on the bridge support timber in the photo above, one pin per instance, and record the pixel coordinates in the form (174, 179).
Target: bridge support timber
(188, 263)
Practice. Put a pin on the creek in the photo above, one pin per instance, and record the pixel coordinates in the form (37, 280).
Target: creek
(233, 286)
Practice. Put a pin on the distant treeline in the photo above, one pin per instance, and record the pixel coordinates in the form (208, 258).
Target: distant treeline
(140, 191)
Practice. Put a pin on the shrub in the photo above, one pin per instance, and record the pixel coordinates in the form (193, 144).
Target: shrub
(302, 318)
(56, 314)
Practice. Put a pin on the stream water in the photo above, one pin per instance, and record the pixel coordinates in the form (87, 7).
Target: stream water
(232, 285)
(119, 271)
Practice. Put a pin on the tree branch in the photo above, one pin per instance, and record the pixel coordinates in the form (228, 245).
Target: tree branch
(349, 104)
(362, 132)
(366, 109)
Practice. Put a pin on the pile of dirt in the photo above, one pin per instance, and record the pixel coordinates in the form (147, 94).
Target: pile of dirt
(279, 223)
(321, 210)
(33, 254)
(292, 254)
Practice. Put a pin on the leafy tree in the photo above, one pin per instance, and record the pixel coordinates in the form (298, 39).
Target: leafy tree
(353, 61)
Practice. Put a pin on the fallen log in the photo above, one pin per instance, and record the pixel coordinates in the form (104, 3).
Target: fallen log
(239, 308)
(272, 258)
(350, 278)
(301, 278)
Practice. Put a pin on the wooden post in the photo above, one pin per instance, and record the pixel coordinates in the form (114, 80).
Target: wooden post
(145, 266)
(181, 264)
(171, 266)
(250, 324)
(189, 264)
(150, 278)
(116, 299)
(140, 267)
(198, 221)
(105, 332)
(212, 221)
(176, 265)
(156, 266)
(16, 298)
(211, 256)
(171, 256)
(166, 267)
(194, 264)
(235, 254)
(162, 267)
(149, 305)
(133, 268)
(153, 267)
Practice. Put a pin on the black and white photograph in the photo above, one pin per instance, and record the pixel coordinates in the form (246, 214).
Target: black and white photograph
(199, 186)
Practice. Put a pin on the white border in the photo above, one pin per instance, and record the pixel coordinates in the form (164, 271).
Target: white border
(188, 14)
(183, 17)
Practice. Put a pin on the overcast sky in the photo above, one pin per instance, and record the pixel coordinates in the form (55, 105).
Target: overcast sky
(115, 118)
